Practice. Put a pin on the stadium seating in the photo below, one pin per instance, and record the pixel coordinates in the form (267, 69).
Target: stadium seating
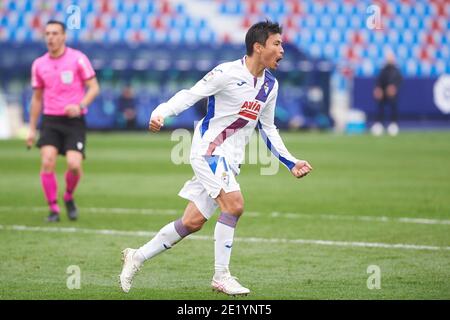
(422, 25)
(167, 36)
(314, 26)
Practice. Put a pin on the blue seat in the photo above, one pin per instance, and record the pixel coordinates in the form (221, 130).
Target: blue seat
(205, 36)
(437, 68)
(223, 8)
(12, 6)
(446, 36)
(411, 67)
(320, 36)
(28, 6)
(137, 21)
(326, 21)
(273, 7)
(367, 68)
(336, 36)
(179, 9)
(332, 8)
(232, 7)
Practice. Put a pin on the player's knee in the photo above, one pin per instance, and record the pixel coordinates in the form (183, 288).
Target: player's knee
(48, 163)
(74, 166)
(193, 226)
(232, 203)
(237, 208)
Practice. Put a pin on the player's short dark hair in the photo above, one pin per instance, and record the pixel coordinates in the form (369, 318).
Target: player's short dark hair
(259, 33)
(62, 24)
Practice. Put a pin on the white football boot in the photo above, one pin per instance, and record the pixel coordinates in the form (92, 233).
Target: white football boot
(129, 269)
(393, 129)
(377, 129)
(227, 284)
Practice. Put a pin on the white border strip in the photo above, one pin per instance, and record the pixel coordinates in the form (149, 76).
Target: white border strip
(149, 234)
(274, 214)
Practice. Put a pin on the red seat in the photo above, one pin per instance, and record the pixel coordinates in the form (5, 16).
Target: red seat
(36, 22)
(253, 7)
(165, 8)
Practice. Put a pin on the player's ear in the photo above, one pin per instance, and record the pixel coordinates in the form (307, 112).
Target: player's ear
(257, 47)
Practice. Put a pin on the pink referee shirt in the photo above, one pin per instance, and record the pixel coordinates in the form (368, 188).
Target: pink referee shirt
(62, 79)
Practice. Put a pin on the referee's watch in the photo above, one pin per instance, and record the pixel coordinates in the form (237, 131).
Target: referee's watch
(82, 106)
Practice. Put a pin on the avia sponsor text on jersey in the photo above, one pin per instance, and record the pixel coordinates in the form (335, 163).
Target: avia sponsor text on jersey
(250, 109)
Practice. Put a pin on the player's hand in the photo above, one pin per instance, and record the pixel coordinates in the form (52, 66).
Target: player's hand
(156, 123)
(72, 110)
(378, 93)
(391, 90)
(301, 169)
(30, 138)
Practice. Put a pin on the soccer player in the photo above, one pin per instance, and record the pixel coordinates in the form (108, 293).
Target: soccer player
(241, 95)
(59, 78)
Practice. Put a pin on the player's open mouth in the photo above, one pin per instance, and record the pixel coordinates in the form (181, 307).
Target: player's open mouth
(277, 62)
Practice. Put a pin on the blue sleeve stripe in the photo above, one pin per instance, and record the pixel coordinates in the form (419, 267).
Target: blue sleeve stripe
(209, 114)
(272, 149)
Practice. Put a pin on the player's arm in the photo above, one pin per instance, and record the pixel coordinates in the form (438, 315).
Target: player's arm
(181, 101)
(211, 83)
(35, 111)
(93, 90)
(272, 138)
(37, 83)
(87, 74)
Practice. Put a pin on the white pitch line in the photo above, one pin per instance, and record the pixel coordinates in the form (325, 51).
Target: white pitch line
(274, 214)
(293, 215)
(149, 234)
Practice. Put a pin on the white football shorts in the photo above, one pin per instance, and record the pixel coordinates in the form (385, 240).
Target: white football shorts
(212, 173)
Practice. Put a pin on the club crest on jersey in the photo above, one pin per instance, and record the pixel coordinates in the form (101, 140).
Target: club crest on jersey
(266, 88)
(226, 178)
(250, 110)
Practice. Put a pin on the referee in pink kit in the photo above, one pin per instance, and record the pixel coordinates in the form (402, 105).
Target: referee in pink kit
(59, 78)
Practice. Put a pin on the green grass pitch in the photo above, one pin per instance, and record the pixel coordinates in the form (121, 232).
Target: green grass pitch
(370, 201)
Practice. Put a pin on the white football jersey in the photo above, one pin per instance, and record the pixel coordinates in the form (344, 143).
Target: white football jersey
(237, 103)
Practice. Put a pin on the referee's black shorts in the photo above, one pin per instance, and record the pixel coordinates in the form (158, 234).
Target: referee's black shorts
(64, 133)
